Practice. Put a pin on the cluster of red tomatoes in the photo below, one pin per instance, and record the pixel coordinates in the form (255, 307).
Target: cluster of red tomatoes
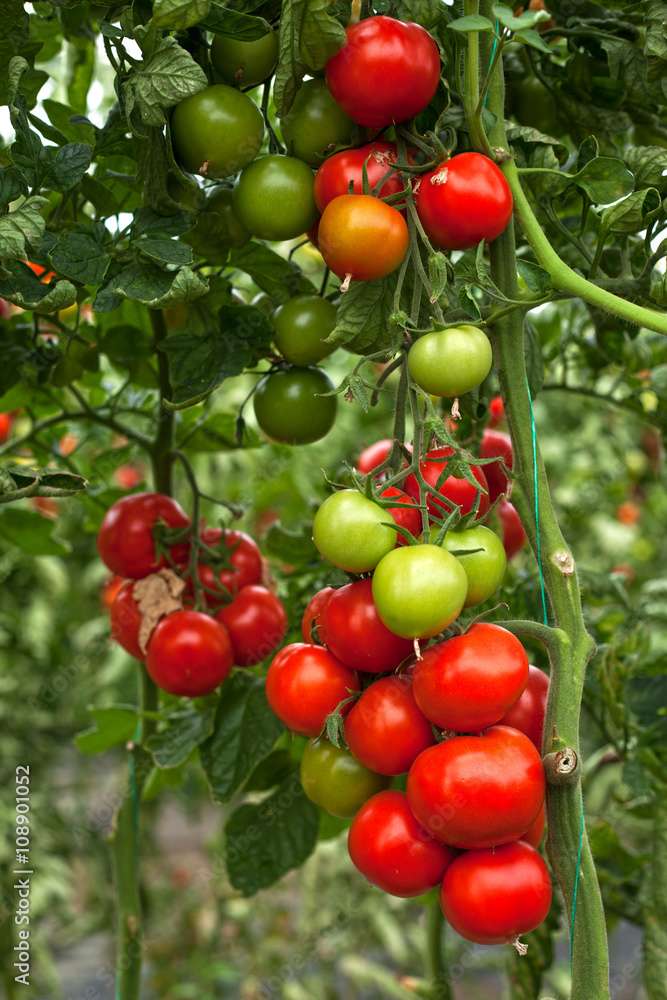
(152, 595)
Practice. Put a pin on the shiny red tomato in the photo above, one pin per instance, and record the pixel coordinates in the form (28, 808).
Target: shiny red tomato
(356, 636)
(455, 489)
(496, 411)
(535, 831)
(388, 846)
(256, 622)
(125, 541)
(125, 620)
(478, 791)
(407, 517)
(463, 201)
(362, 237)
(244, 564)
(189, 654)
(372, 456)
(514, 533)
(467, 683)
(386, 72)
(311, 623)
(5, 426)
(110, 589)
(500, 444)
(304, 684)
(342, 169)
(528, 713)
(385, 729)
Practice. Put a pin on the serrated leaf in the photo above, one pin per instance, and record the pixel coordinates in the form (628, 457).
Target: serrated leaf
(81, 257)
(279, 278)
(533, 39)
(633, 213)
(185, 730)
(67, 166)
(111, 726)
(30, 532)
(12, 185)
(166, 78)
(648, 164)
(177, 15)
(605, 179)
(472, 22)
(144, 282)
(20, 286)
(221, 20)
(166, 252)
(22, 228)
(309, 36)
(363, 317)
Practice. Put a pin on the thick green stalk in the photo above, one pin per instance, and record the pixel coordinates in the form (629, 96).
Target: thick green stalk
(439, 986)
(655, 909)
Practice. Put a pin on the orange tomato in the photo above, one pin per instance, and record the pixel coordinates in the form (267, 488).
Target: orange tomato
(362, 237)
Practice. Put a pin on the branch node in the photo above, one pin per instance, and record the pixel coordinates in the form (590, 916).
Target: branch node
(564, 562)
(562, 767)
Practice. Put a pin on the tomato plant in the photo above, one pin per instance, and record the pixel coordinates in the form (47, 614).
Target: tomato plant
(457, 490)
(452, 361)
(256, 623)
(305, 683)
(217, 131)
(284, 183)
(126, 541)
(352, 532)
(345, 170)
(295, 405)
(419, 590)
(302, 326)
(385, 729)
(189, 654)
(362, 237)
(335, 781)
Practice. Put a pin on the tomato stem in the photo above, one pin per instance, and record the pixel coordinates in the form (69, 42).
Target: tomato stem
(439, 986)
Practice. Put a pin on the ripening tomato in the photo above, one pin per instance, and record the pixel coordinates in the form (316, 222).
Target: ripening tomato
(5, 426)
(463, 201)
(535, 831)
(217, 131)
(294, 405)
(335, 781)
(362, 237)
(455, 489)
(419, 590)
(352, 532)
(342, 169)
(452, 361)
(467, 683)
(256, 622)
(386, 72)
(273, 197)
(110, 589)
(125, 618)
(356, 636)
(372, 456)
(189, 654)
(628, 512)
(491, 897)
(388, 846)
(311, 623)
(481, 553)
(407, 517)
(241, 565)
(315, 123)
(385, 728)
(245, 63)
(302, 325)
(128, 476)
(527, 714)
(304, 684)
(478, 791)
(496, 411)
(496, 443)
(514, 533)
(125, 540)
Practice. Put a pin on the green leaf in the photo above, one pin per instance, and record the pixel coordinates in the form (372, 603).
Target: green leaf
(22, 228)
(166, 78)
(279, 278)
(605, 179)
(65, 119)
(263, 841)
(363, 317)
(633, 213)
(293, 547)
(525, 21)
(648, 164)
(244, 733)
(218, 434)
(20, 286)
(30, 532)
(41, 482)
(235, 24)
(472, 22)
(537, 279)
(12, 185)
(125, 344)
(15, 42)
(185, 730)
(147, 283)
(179, 14)
(111, 727)
(533, 39)
(80, 256)
(168, 253)
(68, 165)
(309, 36)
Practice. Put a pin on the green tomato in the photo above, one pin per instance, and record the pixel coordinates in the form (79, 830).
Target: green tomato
(290, 405)
(301, 326)
(353, 532)
(335, 781)
(217, 230)
(452, 361)
(245, 63)
(315, 124)
(533, 105)
(485, 569)
(419, 590)
(217, 131)
(273, 198)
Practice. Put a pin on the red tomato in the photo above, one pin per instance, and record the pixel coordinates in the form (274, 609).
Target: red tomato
(128, 476)
(311, 623)
(496, 411)
(388, 846)
(362, 237)
(409, 518)
(385, 729)
(468, 683)
(374, 455)
(500, 444)
(463, 201)
(491, 897)
(386, 72)
(628, 512)
(244, 565)
(126, 621)
(478, 791)
(189, 654)
(528, 712)
(125, 540)
(304, 684)
(68, 444)
(535, 831)
(456, 489)
(514, 534)
(256, 622)
(5, 426)
(356, 636)
(342, 169)
(110, 589)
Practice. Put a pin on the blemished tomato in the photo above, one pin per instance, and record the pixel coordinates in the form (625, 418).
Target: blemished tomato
(478, 791)
(304, 684)
(356, 636)
(496, 411)
(528, 713)
(390, 848)
(485, 564)
(451, 362)
(407, 517)
(5, 426)
(419, 590)
(125, 540)
(463, 201)
(242, 565)
(372, 456)
(385, 728)
(217, 229)
(217, 131)
(315, 123)
(535, 831)
(302, 326)
(491, 897)
(352, 532)
(256, 622)
(245, 63)
(514, 533)
(189, 654)
(496, 443)
(291, 405)
(455, 489)
(335, 781)
(342, 169)
(311, 623)
(273, 197)
(110, 589)
(362, 237)
(125, 619)
(467, 683)
(386, 72)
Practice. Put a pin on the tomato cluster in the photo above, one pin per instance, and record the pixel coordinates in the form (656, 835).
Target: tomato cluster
(187, 652)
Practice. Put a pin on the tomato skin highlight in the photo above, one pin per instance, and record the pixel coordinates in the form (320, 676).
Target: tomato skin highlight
(304, 684)
(528, 713)
(454, 488)
(256, 622)
(392, 851)
(386, 72)
(125, 539)
(216, 131)
(311, 623)
(338, 171)
(496, 443)
(125, 619)
(478, 791)
(362, 236)
(335, 781)
(467, 683)
(189, 654)
(355, 634)
(419, 590)
(493, 896)
(385, 729)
